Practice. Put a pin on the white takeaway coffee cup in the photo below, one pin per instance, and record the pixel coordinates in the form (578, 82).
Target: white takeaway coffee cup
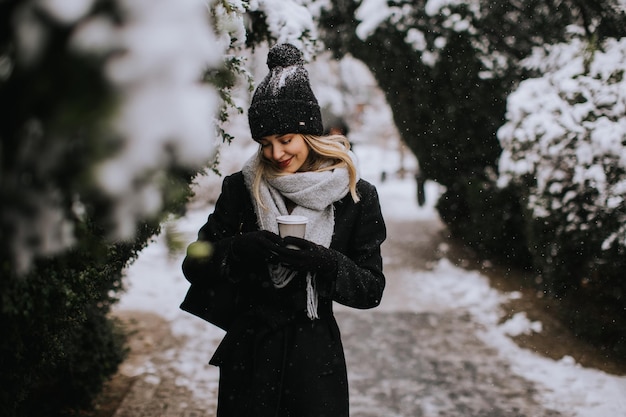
(292, 225)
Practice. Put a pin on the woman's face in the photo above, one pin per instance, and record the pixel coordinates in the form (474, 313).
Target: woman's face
(287, 152)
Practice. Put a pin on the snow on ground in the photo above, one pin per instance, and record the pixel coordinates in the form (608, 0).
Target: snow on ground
(156, 284)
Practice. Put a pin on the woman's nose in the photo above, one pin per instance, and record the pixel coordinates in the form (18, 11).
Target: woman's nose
(277, 152)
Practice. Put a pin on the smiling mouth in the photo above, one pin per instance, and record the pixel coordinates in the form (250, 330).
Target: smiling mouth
(284, 164)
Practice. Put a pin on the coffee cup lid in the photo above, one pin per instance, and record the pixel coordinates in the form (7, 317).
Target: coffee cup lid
(292, 219)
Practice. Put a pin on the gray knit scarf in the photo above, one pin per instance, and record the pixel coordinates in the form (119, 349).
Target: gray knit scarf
(314, 194)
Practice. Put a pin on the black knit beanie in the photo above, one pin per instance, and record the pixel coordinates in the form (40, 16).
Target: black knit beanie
(284, 102)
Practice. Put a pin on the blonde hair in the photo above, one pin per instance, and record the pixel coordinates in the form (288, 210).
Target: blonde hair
(325, 154)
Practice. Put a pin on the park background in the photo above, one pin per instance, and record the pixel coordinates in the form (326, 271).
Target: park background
(110, 109)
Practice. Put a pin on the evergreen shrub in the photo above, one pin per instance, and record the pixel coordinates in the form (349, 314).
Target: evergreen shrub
(486, 218)
(564, 149)
(58, 343)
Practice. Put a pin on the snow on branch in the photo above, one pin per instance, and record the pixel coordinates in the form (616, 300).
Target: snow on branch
(291, 21)
(145, 109)
(565, 138)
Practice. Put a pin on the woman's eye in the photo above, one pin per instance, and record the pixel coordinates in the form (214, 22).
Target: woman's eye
(286, 142)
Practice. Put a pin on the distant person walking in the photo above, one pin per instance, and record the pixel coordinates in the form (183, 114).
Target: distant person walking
(420, 182)
(335, 125)
(282, 354)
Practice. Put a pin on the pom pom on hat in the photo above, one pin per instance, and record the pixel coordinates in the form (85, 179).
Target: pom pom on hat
(284, 55)
(284, 102)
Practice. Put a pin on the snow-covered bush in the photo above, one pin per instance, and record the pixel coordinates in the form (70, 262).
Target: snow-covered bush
(108, 108)
(446, 67)
(121, 100)
(104, 117)
(564, 143)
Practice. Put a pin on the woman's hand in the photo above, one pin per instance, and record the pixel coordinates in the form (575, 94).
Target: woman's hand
(307, 256)
(259, 247)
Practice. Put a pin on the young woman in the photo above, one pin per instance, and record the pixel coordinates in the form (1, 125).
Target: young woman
(282, 353)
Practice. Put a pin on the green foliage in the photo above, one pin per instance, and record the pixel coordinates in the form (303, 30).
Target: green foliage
(448, 95)
(226, 79)
(446, 77)
(53, 113)
(563, 151)
(258, 30)
(447, 92)
(588, 282)
(57, 342)
(488, 218)
(57, 345)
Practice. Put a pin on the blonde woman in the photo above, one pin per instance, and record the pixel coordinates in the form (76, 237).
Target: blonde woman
(282, 353)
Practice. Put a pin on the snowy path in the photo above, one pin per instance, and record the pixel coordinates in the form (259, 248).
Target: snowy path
(435, 346)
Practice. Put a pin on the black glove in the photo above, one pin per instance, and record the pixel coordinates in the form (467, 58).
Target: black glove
(255, 248)
(308, 257)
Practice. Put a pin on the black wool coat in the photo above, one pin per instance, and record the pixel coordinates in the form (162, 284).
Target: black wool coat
(274, 360)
